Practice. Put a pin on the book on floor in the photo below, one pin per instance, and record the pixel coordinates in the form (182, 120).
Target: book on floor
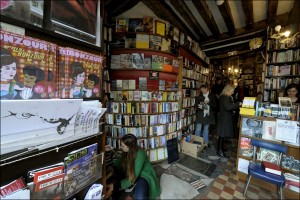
(271, 167)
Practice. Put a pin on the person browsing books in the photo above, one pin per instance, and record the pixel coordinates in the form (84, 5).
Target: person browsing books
(205, 105)
(292, 91)
(134, 171)
(226, 126)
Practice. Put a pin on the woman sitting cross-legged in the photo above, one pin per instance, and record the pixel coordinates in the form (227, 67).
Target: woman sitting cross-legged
(133, 171)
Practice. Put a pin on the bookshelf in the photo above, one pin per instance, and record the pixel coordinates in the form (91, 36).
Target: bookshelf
(245, 154)
(282, 65)
(214, 73)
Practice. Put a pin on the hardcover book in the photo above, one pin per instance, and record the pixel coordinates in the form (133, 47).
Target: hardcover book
(155, 42)
(132, 85)
(130, 43)
(157, 62)
(269, 130)
(162, 84)
(142, 83)
(125, 61)
(135, 25)
(149, 24)
(121, 25)
(50, 188)
(271, 167)
(246, 149)
(137, 60)
(166, 45)
(160, 28)
(142, 41)
(147, 62)
(252, 127)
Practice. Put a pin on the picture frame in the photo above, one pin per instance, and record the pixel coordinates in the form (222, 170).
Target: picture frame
(285, 102)
(153, 75)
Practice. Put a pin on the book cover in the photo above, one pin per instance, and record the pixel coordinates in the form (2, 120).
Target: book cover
(149, 24)
(136, 95)
(285, 102)
(155, 42)
(271, 167)
(175, 63)
(12, 187)
(125, 84)
(160, 28)
(176, 34)
(268, 155)
(135, 25)
(157, 62)
(142, 41)
(119, 84)
(145, 95)
(153, 75)
(26, 71)
(154, 96)
(125, 61)
(41, 174)
(121, 25)
(169, 30)
(142, 83)
(167, 66)
(162, 84)
(174, 49)
(246, 149)
(269, 130)
(165, 45)
(137, 60)
(130, 43)
(252, 127)
(130, 95)
(132, 85)
(80, 167)
(115, 62)
(147, 62)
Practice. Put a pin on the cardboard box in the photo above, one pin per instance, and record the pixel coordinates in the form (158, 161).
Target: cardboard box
(194, 146)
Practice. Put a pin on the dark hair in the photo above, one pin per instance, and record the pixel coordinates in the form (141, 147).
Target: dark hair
(203, 86)
(7, 58)
(128, 158)
(93, 77)
(34, 71)
(75, 69)
(290, 86)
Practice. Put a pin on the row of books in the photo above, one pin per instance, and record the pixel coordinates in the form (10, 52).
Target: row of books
(188, 121)
(58, 181)
(279, 83)
(284, 70)
(187, 102)
(142, 107)
(292, 181)
(60, 72)
(188, 111)
(286, 56)
(274, 110)
(190, 92)
(131, 84)
(116, 143)
(145, 95)
(144, 61)
(188, 73)
(187, 83)
(149, 120)
(247, 76)
(151, 25)
(290, 163)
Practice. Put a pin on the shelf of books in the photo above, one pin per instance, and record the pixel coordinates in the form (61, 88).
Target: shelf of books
(214, 73)
(282, 66)
(279, 131)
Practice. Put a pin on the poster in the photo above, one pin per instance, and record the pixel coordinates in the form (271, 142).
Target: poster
(77, 19)
(29, 11)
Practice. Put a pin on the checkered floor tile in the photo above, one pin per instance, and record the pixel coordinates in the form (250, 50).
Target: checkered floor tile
(228, 186)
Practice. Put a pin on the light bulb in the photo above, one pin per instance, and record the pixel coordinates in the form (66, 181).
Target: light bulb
(287, 33)
(219, 2)
(277, 28)
(236, 70)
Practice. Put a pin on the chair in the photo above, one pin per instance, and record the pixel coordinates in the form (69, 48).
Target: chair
(257, 171)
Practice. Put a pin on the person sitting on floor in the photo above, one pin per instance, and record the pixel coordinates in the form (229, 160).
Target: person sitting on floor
(133, 171)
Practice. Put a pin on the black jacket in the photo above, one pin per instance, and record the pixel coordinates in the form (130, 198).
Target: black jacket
(208, 119)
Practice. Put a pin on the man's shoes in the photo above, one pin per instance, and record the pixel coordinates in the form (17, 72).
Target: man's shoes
(222, 154)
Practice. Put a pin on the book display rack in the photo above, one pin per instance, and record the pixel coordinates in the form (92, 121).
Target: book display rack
(282, 65)
(269, 129)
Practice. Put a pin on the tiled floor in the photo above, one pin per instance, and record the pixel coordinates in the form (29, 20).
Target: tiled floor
(228, 186)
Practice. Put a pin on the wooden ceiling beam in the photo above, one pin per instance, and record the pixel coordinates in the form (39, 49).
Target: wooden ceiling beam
(163, 11)
(248, 11)
(294, 15)
(116, 7)
(182, 8)
(207, 16)
(272, 10)
(227, 16)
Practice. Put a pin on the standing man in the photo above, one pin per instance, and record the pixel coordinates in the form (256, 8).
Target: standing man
(217, 88)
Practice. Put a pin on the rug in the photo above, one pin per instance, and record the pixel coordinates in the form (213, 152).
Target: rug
(199, 165)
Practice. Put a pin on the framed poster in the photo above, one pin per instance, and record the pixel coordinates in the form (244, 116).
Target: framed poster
(78, 19)
(29, 11)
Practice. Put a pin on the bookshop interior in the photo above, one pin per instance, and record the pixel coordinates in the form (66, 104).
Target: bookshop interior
(168, 99)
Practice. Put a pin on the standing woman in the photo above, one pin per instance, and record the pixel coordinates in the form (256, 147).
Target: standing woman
(205, 105)
(226, 126)
(292, 91)
(135, 169)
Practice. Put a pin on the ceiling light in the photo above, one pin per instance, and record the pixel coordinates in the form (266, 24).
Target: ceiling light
(287, 33)
(219, 2)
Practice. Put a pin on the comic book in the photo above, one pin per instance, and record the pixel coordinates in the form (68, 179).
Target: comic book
(80, 74)
(80, 168)
(25, 66)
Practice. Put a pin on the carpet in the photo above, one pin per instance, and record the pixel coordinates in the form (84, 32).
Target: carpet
(199, 165)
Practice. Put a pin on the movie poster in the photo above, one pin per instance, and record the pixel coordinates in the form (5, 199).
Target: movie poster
(76, 19)
(29, 11)
(79, 74)
(27, 70)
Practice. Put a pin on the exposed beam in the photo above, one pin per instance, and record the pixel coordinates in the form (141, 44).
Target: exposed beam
(162, 10)
(227, 16)
(207, 16)
(272, 10)
(294, 15)
(248, 11)
(182, 8)
(116, 7)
